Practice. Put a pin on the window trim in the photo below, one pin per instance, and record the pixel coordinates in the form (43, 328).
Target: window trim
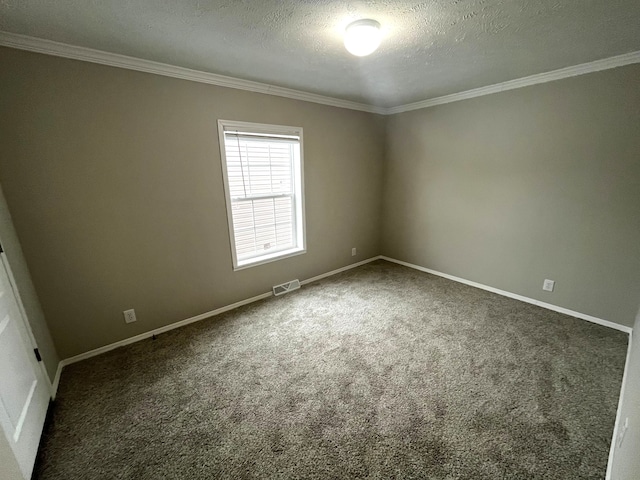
(298, 192)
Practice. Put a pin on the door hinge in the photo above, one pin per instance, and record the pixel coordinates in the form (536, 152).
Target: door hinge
(37, 352)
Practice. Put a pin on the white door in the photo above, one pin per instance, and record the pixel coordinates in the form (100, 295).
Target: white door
(24, 393)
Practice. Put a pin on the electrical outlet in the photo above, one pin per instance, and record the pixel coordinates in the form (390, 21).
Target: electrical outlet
(129, 316)
(353, 252)
(548, 285)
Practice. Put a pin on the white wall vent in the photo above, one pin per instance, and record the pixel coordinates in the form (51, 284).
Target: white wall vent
(286, 287)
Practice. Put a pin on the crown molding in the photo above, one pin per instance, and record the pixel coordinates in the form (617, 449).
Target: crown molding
(596, 66)
(49, 47)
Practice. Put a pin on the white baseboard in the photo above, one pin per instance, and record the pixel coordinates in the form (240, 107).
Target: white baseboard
(202, 316)
(98, 351)
(548, 306)
(616, 427)
(56, 380)
(339, 270)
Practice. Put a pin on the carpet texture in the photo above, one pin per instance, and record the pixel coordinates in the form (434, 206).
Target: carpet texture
(379, 372)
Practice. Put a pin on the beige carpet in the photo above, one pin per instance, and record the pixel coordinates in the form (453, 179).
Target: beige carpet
(379, 372)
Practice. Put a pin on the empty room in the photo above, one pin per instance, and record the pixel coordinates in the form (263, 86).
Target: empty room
(320, 240)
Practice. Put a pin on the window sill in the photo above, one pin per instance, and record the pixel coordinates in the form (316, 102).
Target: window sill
(272, 257)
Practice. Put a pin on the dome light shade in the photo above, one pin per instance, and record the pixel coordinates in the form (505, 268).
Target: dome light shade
(362, 37)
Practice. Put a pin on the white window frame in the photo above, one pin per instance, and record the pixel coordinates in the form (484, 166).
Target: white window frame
(299, 209)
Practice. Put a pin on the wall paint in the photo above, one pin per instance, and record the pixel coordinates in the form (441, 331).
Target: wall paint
(26, 290)
(114, 182)
(626, 461)
(512, 188)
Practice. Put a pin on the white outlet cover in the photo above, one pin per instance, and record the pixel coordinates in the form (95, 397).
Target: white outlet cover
(548, 285)
(129, 316)
(353, 252)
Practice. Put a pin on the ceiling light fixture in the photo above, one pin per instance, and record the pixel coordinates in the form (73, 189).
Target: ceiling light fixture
(362, 37)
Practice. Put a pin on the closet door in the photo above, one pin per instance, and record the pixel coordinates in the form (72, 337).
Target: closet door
(24, 393)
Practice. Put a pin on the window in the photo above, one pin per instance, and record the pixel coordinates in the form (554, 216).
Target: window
(263, 179)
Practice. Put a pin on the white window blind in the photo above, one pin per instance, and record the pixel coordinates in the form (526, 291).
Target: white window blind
(263, 180)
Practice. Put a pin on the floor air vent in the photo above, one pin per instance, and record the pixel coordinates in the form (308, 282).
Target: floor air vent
(286, 287)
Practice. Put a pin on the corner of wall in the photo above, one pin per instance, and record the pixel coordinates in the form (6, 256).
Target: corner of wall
(383, 184)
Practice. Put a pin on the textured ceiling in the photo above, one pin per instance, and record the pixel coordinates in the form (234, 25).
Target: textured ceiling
(431, 48)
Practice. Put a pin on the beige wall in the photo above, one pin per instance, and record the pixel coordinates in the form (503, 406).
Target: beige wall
(626, 459)
(114, 183)
(26, 290)
(512, 188)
